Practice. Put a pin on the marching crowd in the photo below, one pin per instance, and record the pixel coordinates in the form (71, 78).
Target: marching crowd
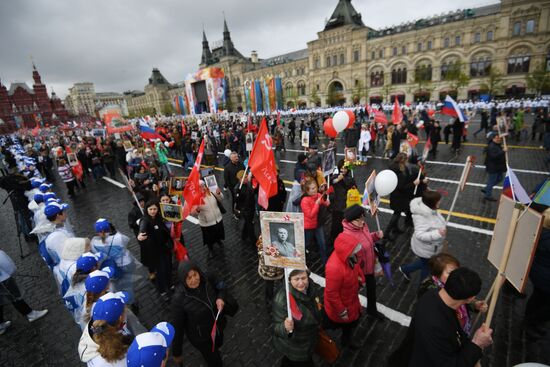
(96, 277)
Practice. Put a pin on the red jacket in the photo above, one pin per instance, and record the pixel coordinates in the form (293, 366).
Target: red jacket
(342, 281)
(311, 210)
(366, 256)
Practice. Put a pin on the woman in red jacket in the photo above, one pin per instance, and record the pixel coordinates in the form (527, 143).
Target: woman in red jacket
(344, 277)
(354, 224)
(310, 204)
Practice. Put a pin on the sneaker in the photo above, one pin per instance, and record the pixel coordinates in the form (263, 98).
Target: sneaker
(405, 275)
(4, 326)
(35, 315)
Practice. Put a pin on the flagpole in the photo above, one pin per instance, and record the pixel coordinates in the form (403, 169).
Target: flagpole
(456, 194)
(287, 289)
(418, 178)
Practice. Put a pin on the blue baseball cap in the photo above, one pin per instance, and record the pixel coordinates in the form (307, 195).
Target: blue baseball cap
(149, 349)
(38, 198)
(97, 280)
(88, 261)
(54, 208)
(36, 182)
(109, 307)
(44, 187)
(102, 225)
(166, 329)
(49, 195)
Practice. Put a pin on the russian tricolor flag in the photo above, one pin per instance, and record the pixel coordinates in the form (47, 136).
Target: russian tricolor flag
(513, 189)
(450, 108)
(147, 132)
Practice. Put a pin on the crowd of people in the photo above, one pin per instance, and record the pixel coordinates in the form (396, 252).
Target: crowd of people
(96, 277)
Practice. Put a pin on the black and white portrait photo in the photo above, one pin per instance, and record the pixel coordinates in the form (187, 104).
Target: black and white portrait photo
(282, 238)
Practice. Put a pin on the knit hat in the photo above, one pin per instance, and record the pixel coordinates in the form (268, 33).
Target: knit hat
(73, 248)
(149, 349)
(354, 212)
(98, 280)
(109, 307)
(88, 261)
(102, 225)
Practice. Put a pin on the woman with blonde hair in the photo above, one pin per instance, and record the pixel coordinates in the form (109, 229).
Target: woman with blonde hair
(102, 343)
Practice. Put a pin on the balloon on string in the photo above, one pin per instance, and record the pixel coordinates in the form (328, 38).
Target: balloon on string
(385, 182)
(340, 121)
(408, 104)
(431, 112)
(351, 116)
(329, 128)
(227, 152)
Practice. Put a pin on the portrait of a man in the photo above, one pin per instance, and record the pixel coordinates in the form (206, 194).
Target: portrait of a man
(282, 242)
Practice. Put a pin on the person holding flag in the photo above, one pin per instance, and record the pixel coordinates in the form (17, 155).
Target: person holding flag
(262, 165)
(306, 310)
(210, 217)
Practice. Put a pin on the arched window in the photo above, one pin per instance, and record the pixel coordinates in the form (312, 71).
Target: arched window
(288, 90)
(449, 67)
(516, 30)
(377, 78)
(399, 74)
(519, 62)
(446, 42)
(480, 65)
(423, 73)
(301, 88)
(490, 36)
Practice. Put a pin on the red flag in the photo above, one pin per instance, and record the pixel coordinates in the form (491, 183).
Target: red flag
(426, 150)
(192, 193)
(380, 117)
(180, 252)
(397, 115)
(213, 334)
(262, 165)
(294, 310)
(412, 139)
(278, 118)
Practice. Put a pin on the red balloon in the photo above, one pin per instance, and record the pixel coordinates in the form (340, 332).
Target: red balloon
(431, 113)
(351, 116)
(329, 129)
(408, 104)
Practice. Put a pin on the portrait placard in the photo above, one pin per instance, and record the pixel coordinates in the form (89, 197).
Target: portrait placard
(350, 154)
(329, 161)
(72, 159)
(305, 139)
(171, 212)
(98, 133)
(372, 198)
(127, 145)
(249, 142)
(211, 183)
(176, 185)
(283, 239)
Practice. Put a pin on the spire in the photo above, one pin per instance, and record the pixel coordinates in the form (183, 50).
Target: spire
(344, 14)
(36, 75)
(225, 28)
(206, 58)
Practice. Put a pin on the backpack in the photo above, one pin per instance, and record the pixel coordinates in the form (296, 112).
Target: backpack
(45, 255)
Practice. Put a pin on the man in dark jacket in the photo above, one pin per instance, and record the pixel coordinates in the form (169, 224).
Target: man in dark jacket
(245, 206)
(495, 165)
(435, 333)
(292, 130)
(230, 174)
(341, 183)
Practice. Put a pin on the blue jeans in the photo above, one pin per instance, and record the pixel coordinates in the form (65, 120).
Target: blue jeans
(419, 264)
(319, 236)
(492, 180)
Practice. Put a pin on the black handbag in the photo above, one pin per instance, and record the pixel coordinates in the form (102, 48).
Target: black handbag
(221, 207)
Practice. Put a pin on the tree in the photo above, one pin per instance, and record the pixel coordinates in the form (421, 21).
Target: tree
(493, 82)
(168, 109)
(359, 91)
(292, 96)
(456, 77)
(314, 97)
(539, 80)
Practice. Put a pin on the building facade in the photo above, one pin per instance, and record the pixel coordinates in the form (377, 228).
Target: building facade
(487, 50)
(21, 106)
(84, 100)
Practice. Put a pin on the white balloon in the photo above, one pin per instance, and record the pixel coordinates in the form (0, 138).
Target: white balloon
(385, 182)
(340, 121)
(227, 152)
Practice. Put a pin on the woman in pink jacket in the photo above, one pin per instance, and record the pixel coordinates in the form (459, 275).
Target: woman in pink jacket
(310, 204)
(354, 225)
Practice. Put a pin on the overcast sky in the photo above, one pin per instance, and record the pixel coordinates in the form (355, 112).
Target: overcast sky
(116, 43)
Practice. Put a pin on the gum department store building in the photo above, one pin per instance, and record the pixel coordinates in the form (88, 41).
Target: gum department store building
(494, 47)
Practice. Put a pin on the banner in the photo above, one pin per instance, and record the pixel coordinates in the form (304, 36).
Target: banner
(258, 95)
(112, 117)
(279, 94)
(247, 99)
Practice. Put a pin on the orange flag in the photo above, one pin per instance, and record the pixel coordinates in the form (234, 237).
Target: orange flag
(262, 165)
(397, 115)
